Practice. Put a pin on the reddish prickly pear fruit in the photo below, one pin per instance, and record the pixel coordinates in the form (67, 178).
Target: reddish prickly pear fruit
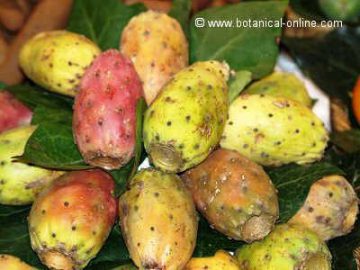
(330, 208)
(70, 221)
(8, 262)
(158, 220)
(234, 194)
(105, 111)
(12, 112)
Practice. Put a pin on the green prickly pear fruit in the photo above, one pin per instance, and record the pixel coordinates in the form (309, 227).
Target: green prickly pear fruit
(57, 60)
(220, 261)
(8, 262)
(288, 247)
(330, 208)
(70, 221)
(185, 122)
(19, 182)
(281, 84)
(234, 194)
(158, 221)
(273, 131)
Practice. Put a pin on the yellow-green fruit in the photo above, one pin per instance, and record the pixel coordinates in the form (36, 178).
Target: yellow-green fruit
(8, 262)
(330, 208)
(185, 122)
(281, 84)
(19, 182)
(273, 131)
(158, 48)
(57, 60)
(158, 221)
(220, 261)
(288, 247)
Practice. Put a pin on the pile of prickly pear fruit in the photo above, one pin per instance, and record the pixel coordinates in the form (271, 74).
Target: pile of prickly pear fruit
(211, 163)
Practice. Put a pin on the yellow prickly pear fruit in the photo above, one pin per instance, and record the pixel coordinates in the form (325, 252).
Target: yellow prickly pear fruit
(20, 183)
(158, 48)
(330, 208)
(281, 84)
(288, 247)
(273, 131)
(220, 261)
(8, 262)
(186, 121)
(158, 221)
(57, 60)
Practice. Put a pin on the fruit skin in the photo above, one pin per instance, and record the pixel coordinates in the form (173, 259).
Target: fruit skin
(220, 261)
(356, 100)
(281, 84)
(340, 9)
(70, 221)
(330, 208)
(235, 195)
(8, 262)
(57, 60)
(273, 131)
(185, 122)
(158, 221)
(158, 48)
(20, 183)
(104, 119)
(12, 112)
(288, 247)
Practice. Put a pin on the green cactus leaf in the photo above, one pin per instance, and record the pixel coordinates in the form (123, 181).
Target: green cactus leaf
(52, 146)
(101, 21)
(293, 183)
(14, 236)
(244, 48)
(33, 96)
(238, 83)
(349, 140)
(342, 249)
(180, 10)
(331, 61)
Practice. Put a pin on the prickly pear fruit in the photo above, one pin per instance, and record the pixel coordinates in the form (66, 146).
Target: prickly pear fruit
(340, 9)
(8, 262)
(158, 221)
(234, 194)
(19, 182)
(158, 48)
(281, 84)
(288, 247)
(70, 221)
(186, 121)
(57, 60)
(273, 131)
(12, 112)
(330, 208)
(105, 111)
(220, 261)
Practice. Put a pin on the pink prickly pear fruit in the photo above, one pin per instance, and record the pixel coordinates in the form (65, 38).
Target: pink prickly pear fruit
(12, 112)
(104, 120)
(70, 221)
(330, 208)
